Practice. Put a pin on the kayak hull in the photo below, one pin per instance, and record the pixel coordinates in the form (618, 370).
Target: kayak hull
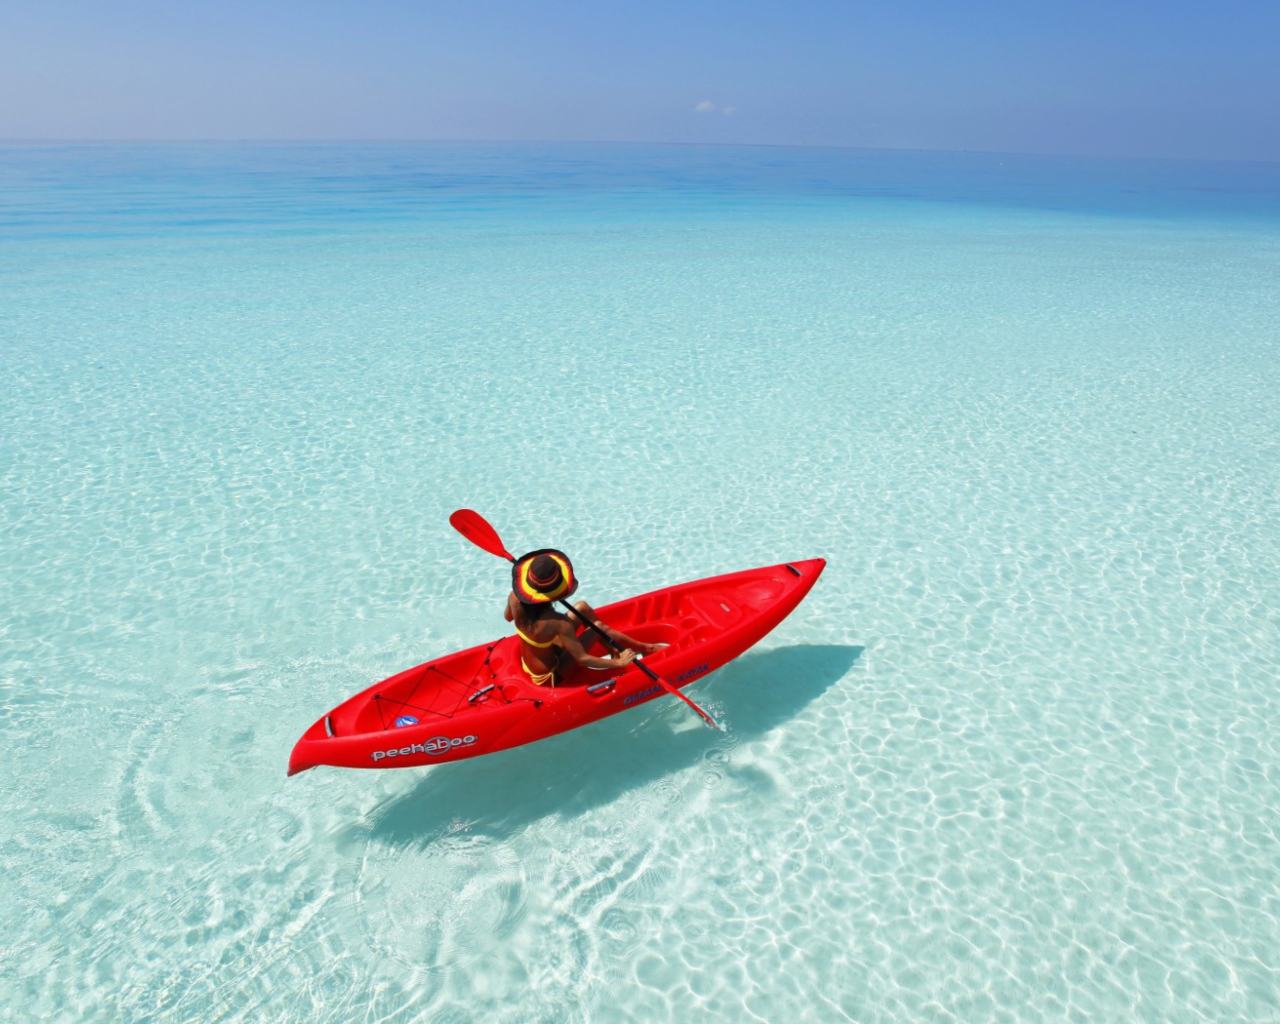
(480, 701)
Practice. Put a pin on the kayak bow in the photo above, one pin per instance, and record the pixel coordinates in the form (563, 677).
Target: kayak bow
(479, 701)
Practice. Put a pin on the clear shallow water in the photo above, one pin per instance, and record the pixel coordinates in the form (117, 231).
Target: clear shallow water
(1014, 756)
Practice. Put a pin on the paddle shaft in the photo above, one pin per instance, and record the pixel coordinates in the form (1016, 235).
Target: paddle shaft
(478, 530)
(614, 646)
(610, 642)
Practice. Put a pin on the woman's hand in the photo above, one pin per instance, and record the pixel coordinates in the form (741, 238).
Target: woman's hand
(625, 657)
(651, 648)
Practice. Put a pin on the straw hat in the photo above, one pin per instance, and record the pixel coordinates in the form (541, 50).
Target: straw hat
(543, 575)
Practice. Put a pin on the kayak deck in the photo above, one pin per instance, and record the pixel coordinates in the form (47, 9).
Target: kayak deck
(480, 700)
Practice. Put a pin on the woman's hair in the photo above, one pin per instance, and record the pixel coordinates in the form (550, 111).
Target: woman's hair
(533, 612)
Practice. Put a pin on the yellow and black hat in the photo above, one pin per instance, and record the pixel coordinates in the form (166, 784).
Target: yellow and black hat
(543, 575)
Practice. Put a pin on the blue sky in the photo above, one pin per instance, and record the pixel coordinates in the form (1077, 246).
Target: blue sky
(1135, 79)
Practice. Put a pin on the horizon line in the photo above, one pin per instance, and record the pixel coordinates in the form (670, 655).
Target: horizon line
(392, 140)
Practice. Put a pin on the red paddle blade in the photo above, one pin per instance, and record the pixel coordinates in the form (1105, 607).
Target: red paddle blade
(706, 718)
(476, 529)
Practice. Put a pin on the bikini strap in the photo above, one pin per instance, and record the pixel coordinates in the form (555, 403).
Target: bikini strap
(532, 643)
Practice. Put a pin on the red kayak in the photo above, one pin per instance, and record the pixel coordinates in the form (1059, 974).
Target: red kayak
(479, 701)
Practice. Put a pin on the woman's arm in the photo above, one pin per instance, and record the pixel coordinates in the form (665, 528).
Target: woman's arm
(566, 638)
(619, 638)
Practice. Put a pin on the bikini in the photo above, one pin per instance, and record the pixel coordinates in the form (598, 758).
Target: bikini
(537, 678)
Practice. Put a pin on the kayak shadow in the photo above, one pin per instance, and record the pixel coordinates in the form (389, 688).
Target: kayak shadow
(570, 774)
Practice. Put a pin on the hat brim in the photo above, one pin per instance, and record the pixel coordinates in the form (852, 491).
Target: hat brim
(528, 593)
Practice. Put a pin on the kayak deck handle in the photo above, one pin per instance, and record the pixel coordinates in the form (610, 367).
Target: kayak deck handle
(596, 689)
(793, 569)
(480, 693)
(328, 726)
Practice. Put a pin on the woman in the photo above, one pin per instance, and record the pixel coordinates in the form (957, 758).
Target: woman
(549, 641)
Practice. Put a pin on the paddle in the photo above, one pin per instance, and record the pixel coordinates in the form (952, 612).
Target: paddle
(476, 529)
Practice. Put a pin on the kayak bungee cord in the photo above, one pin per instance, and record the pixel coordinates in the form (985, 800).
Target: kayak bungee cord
(471, 692)
(478, 530)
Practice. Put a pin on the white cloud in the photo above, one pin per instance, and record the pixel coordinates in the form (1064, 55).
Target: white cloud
(705, 107)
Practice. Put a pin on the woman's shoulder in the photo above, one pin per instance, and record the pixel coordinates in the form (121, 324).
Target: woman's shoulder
(552, 626)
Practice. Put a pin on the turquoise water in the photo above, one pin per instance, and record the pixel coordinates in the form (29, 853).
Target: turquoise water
(1014, 758)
